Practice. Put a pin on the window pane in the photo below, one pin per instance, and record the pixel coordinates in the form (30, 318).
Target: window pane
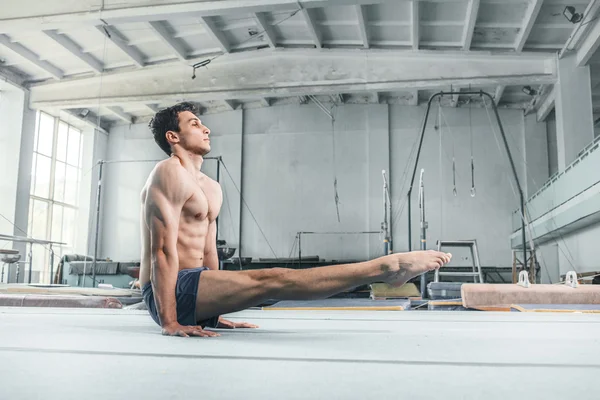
(40, 262)
(71, 185)
(42, 176)
(68, 229)
(73, 154)
(57, 217)
(59, 181)
(30, 219)
(46, 135)
(33, 168)
(37, 131)
(40, 219)
(61, 142)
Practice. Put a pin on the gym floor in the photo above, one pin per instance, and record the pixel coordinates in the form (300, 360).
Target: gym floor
(99, 353)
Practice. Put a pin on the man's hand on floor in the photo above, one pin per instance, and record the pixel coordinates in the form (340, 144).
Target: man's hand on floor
(225, 324)
(186, 331)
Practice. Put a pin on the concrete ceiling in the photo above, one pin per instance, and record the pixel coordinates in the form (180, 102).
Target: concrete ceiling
(118, 61)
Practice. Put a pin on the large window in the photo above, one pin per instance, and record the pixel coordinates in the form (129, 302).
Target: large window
(55, 181)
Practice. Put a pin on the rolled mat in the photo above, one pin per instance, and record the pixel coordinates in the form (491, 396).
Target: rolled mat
(36, 300)
(476, 295)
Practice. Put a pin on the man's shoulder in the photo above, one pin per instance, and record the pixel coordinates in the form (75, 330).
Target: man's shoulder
(167, 169)
(170, 177)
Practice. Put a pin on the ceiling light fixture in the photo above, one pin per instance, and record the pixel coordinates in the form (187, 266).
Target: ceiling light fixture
(572, 16)
(529, 91)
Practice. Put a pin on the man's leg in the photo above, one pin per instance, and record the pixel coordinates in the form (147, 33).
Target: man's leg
(222, 292)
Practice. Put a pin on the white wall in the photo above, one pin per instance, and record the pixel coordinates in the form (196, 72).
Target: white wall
(11, 119)
(536, 150)
(288, 168)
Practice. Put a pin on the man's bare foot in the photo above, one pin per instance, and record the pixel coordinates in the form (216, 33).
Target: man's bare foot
(401, 267)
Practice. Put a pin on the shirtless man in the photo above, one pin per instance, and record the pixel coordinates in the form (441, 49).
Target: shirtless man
(182, 285)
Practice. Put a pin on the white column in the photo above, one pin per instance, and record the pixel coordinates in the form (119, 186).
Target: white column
(24, 183)
(536, 154)
(574, 118)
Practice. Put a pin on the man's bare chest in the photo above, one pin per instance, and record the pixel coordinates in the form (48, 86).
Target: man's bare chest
(203, 202)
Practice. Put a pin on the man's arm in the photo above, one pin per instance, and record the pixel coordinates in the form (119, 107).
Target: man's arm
(164, 201)
(211, 257)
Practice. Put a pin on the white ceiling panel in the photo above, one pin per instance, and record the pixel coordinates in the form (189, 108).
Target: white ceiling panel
(441, 34)
(47, 49)
(288, 27)
(440, 11)
(392, 11)
(510, 12)
(494, 37)
(389, 34)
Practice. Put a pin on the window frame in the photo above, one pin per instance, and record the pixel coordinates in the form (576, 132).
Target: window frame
(43, 266)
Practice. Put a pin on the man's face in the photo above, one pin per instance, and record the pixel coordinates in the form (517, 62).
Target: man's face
(193, 136)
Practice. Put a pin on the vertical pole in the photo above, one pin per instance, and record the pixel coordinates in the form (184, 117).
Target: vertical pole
(423, 232)
(390, 230)
(300, 249)
(384, 225)
(409, 222)
(219, 181)
(30, 261)
(51, 263)
(98, 198)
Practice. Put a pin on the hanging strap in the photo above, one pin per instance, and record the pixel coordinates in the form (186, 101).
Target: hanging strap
(472, 159)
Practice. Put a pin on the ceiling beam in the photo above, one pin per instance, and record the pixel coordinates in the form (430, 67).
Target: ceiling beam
(362, 25)
(589, 45)
(414, 100)
(313, 29)
(74, 49)
(376, 98)
(10, 76)
(118, 112)
(90, 119)
(454, 98)
(152, 107)
(214, 32)
(547, 105)
(471, 20)
(32, 57)
(317, 73)
(263, 25)
(232, 105)
(533, 10)
(167, 38)
(115, 37)
(415, 24)
(499, 93)
(338, 98)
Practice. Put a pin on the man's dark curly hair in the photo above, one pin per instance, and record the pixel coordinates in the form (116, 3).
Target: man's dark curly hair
(168, 120)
